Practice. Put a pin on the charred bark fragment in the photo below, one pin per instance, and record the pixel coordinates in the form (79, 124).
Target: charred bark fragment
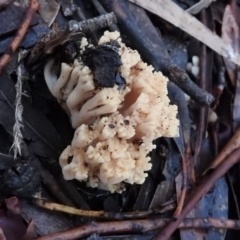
(104, 61)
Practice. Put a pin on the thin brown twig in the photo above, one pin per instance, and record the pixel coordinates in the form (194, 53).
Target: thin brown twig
(233, 144)
(199, 192)
(181, 201)
(6, 58)
(139, 226)
(100, 214)
(186, 152)
(205, 83)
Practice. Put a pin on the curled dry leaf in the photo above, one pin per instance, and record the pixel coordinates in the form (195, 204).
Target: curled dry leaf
(230, 35)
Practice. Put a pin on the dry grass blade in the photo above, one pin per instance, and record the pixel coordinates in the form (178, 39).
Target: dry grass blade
(178, 17)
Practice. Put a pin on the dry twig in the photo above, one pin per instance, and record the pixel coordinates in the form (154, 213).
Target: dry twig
(93, 24)
(5, 59)
(233, 144)
(100, 214)
(74, 30)
(185, 159)
(197, 194)
(101, 10)
(139, 226)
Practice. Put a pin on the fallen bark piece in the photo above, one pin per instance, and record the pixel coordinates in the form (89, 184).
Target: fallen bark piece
(139, 226)
(172, 13)
(5, 59)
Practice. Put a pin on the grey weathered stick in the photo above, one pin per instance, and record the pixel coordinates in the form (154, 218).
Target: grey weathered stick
(72, 31)
(93, 24)
(101, 10)
(181, 78)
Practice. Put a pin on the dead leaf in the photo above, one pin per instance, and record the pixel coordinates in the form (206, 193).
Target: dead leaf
(31, 232)
(199, 6)
(12, 225)
(230, 35)
(48, 10)
(178, 17)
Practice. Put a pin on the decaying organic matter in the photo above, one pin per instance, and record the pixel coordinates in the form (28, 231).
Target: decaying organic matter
(23, 179)
(104, 62)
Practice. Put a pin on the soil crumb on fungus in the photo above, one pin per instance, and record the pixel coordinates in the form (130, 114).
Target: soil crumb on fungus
(118, 105)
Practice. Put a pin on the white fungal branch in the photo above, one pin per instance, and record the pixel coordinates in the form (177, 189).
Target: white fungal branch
(115, 127)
